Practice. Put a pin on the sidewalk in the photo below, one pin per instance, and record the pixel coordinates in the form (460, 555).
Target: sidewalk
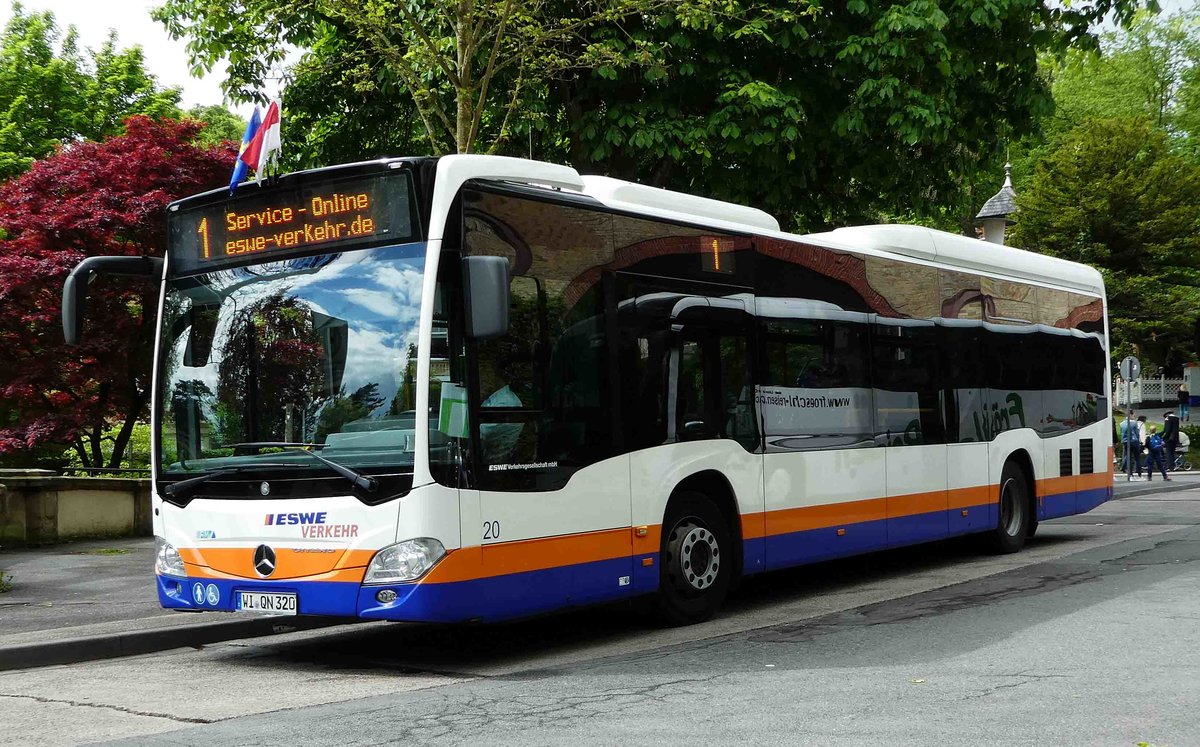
(96, 599)
(1123, 488)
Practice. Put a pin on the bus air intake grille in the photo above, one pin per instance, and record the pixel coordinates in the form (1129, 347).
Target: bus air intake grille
(1086, 465)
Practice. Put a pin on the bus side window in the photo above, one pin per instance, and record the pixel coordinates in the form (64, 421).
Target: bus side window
(693, 415)
(907, 388)
(714, 391)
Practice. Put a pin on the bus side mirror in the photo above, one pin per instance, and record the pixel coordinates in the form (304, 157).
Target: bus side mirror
(486, 294)
(76, 286)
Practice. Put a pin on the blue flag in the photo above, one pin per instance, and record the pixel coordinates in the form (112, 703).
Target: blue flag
(239, 167)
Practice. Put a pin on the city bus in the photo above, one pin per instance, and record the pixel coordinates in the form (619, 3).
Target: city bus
(475, 388)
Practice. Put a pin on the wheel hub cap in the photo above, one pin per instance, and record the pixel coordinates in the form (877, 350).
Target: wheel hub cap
(700, 558)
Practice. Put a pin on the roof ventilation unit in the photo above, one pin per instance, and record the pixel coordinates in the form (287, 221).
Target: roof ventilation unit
(662, 202)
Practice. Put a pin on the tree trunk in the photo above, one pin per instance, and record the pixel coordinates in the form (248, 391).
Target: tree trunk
(80, 451)
(94, 440)
(122, 439)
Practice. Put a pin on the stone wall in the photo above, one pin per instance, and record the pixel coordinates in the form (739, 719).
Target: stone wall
(38, 507)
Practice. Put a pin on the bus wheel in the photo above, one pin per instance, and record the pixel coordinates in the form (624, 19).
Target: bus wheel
(697, 562)
(1013, 525)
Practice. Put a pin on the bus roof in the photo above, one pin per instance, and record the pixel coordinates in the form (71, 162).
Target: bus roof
(944, 248)
(914, 242)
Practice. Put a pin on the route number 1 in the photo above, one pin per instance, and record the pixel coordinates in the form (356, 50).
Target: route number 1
(203, 230)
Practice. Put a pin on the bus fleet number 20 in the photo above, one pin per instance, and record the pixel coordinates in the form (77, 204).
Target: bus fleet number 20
(491, 530)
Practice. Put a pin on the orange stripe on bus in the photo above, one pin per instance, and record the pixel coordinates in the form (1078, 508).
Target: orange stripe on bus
(345, 575)
(977, 495)
(1056, 485)
(238, 562)
(916, 503)
(554, 552)
(788, 520)
(503, 558)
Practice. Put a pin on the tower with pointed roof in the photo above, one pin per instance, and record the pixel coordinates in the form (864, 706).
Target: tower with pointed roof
(994, 217)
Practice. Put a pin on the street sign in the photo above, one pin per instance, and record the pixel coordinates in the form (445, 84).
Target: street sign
(1131, 368)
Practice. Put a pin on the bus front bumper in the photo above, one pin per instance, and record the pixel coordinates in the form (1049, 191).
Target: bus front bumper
(413, 602)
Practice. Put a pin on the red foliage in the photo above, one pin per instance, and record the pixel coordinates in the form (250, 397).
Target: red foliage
(88, 199)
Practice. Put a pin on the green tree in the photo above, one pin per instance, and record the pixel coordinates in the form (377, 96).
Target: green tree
(52, 94)
(464, 65)
(1116, 195)
(119, 86)
(1139, 71)
(819, 114)
(220, 124)
(1145, 71)
(41, 78)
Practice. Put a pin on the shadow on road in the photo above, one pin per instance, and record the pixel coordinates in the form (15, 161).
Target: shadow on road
(408, 648)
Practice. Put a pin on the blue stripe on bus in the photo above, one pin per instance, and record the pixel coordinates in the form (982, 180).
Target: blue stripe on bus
(1075, 502)
(315, 597)
(814, 545)
(534, 592)
(503, 597)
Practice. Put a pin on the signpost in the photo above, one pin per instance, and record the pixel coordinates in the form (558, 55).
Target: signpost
(1131, 368)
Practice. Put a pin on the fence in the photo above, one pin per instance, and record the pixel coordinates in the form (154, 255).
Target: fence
(1145, 389)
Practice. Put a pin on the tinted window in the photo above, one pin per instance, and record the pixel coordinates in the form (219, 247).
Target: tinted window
(816, 389)
(686, 362)
(906, 376)
(541, 393)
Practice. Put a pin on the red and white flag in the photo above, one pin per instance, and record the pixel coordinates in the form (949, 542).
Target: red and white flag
(265, 144)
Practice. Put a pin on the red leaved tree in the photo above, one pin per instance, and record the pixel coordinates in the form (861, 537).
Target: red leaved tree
(89, 199)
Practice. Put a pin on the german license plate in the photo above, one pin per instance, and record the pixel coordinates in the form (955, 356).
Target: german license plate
(267, 603)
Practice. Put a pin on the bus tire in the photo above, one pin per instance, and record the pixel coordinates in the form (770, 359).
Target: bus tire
(696, 561)
(1013, 521)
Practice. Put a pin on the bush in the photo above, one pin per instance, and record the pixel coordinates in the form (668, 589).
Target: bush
(137, 451)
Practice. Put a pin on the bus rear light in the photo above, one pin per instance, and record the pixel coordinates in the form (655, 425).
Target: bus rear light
(167, 561)
(404, 561)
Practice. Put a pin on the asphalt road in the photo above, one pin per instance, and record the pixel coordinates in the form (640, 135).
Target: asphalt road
(1089, 636)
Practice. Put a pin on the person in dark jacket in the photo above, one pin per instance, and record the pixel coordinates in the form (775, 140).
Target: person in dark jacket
(1184, 402)
(1170, 437)
(1154, 454)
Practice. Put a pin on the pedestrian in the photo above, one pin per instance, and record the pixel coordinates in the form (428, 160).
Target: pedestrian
(1154, 454)
(1127, 431)
(1139, 445)
(1184, 403)
(1170, 437)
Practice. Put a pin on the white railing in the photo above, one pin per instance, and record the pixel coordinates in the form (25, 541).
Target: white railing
(1160, 389)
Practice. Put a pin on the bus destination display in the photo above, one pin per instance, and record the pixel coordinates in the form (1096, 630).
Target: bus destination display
(328, 217)
(336, 215)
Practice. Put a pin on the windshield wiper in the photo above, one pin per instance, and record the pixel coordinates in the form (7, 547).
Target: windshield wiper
(356, 478)
(180, 488)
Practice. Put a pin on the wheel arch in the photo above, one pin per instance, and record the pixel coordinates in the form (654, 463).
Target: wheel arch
(716, 487)
(1022, 459)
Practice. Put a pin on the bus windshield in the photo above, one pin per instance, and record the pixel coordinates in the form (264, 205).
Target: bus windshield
(315, 352)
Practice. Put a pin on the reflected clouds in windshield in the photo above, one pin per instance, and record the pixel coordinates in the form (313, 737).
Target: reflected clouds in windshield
(309, 350)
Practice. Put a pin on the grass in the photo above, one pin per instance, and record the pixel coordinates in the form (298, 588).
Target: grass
(108, 551)
(6, 583)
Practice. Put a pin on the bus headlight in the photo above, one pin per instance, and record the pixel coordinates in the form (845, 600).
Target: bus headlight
(404, 561)
(167, 561)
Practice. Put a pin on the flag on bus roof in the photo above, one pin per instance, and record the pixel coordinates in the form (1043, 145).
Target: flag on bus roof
(239, 166)
(265, 142)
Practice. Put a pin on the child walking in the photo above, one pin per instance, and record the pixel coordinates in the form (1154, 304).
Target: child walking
(1154, 454)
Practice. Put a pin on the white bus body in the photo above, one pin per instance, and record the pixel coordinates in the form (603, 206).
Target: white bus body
(684, 394)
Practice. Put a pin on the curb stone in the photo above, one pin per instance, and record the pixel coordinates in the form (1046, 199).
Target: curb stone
(114, 645)
(1134, 489)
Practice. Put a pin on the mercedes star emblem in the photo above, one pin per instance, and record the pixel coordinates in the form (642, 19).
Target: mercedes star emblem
(264, 560)
(265, 488)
